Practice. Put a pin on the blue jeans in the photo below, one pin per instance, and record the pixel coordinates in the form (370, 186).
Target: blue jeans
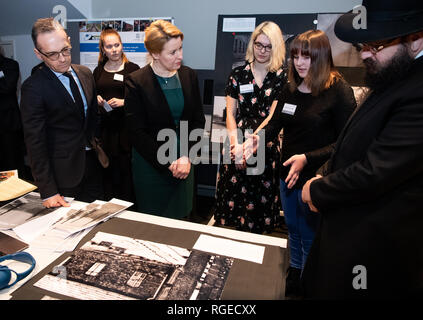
(301, 223)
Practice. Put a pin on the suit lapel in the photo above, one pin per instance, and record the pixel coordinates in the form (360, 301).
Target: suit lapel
(86, 90)
(59, 85)
(185, 84)
(84, 83)
(68, 101)
(358, 114)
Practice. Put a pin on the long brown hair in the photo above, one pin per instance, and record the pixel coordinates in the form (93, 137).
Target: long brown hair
(102, 58)
(322, 73)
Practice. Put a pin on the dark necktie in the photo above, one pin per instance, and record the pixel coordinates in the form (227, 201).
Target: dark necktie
(75, 92)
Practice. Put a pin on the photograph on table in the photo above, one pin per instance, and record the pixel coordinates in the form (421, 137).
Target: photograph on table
(117, 267)
(22, 210)
(90, 215)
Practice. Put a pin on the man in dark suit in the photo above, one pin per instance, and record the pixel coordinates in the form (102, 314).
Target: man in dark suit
(370, 241)
(59, 114)
(11, 136)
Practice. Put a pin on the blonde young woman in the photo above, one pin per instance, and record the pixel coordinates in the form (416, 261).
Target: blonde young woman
(113, 67)
(163, 95)
(251, 202)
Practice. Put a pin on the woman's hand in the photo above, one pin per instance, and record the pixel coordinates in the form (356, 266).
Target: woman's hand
(237, 155)
(100, 100)
(180, 168)
(297, 163)
(116, 103)
(250, 145)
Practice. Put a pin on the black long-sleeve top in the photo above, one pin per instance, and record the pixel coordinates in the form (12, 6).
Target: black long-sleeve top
(10, 119)
(114, 135)
(311, 126)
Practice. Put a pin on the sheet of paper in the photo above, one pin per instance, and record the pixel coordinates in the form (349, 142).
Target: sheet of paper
(14, 187)
(55, 240)
(30, 230)
(217, 231)
(7, 174)
(70, 243)
(22, 210)
(230, 248)
(90, 215)
(239, 24)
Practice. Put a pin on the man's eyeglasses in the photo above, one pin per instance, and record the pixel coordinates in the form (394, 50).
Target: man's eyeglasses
(66, 52)
(375, 47)
(260, 46)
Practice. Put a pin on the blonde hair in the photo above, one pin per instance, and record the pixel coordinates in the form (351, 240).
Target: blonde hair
(322, 73)
(102, 58)
(158, 33)
(272, 31)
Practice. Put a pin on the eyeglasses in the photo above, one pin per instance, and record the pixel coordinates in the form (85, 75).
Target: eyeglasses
(66, 52)
(375, 47)
(260, 46)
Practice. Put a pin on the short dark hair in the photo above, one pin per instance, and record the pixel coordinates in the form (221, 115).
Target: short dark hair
(44, 25)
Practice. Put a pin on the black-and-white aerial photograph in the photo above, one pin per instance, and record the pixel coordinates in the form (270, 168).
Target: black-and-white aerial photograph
(91, 214)
(22, 210)
(117, 267)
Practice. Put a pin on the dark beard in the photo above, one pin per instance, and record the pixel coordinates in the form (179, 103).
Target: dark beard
(378, 78)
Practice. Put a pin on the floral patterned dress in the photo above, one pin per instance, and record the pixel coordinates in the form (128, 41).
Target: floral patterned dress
(253, 197)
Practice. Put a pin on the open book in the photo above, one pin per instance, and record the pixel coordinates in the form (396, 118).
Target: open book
(12, 187)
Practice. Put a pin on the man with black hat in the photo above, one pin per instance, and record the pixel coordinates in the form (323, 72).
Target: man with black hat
(370, 240)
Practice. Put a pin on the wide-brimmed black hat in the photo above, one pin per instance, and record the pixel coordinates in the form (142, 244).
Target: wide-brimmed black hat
(386, 19)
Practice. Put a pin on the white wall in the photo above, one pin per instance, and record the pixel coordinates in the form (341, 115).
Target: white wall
(198, 18)
(24, 53)
(17, 17)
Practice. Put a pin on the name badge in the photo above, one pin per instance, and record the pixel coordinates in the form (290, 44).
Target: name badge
(107, 106)
(118, 77)
(1, 74)
(246, 88)
(289, 109)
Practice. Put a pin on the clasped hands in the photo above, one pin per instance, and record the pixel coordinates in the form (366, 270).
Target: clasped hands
(113, 102)
(180, 168)
(240, 153)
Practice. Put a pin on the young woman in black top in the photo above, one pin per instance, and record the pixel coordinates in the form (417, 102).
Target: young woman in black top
(312, 110)
(113, 67)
